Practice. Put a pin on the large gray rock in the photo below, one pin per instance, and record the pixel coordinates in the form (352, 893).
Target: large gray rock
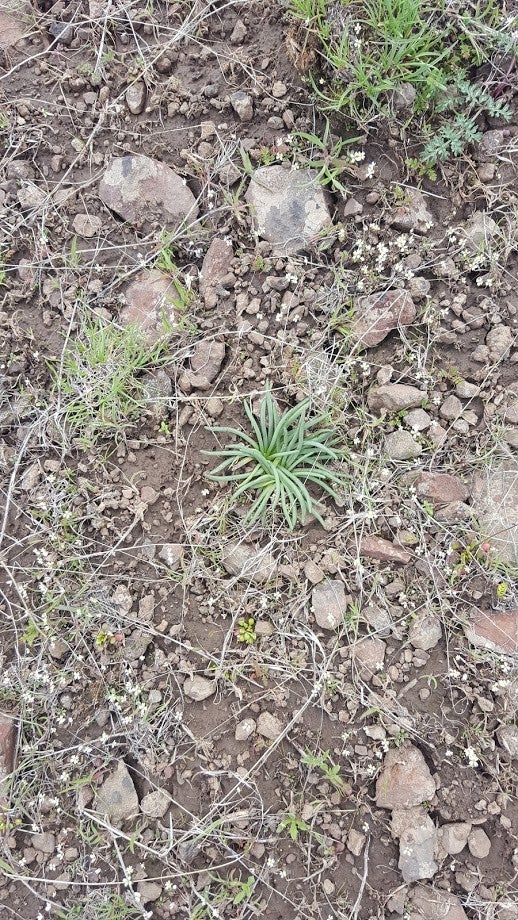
(329, 603)
(495, 496)
(117, 797)
(378, 314)
(417, 843)
(140, 189)
(288, 207)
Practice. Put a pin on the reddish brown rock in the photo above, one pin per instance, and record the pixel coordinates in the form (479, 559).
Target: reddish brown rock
(216, 265)
(394, 397)
(434, 904)
(7, 754)
(149, 304)
(405, 780)
(140, 189)
(383, 550)
(497, 632)
(206, 361)
(378, 314)
(441, 488)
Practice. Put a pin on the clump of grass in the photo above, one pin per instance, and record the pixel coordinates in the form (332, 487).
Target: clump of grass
(97, 384)
(286, 452)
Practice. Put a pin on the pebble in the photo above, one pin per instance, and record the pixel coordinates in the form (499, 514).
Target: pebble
(425, 630)
(243, 105)
(405, 780)
(508, 738)
(199, 688)
(148, 301)
(479, 843)
(329, 603)
(313, 572)
(417, 843)
(394, 397)
(156, 803)
(87, 225)
(454, 837)
(45, 843)
(139, 189)
(172, 554)
(378, 314)
(378, 619)
(413, 214)
(216, 266)
(117, 797)
(369, 656)
(495, 495)
(245, 729)
(383, 550)
(432, 903)
(418, 419)
(136, 97)
(289, 209)
(206, 361)
(269, 726)
(355, 841)
(441, 488)
(149, 891)
(451, 408)
(400, 445)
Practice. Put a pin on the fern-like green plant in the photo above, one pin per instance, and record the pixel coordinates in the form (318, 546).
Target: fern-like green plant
(286, 452)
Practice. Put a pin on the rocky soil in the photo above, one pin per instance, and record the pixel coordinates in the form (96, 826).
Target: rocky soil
(357, 758)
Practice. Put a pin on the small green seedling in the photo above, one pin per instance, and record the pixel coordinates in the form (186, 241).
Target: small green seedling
(326, 766)
(246, 632)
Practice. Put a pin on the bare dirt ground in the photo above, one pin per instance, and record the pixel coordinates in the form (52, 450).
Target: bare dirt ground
(202, 718)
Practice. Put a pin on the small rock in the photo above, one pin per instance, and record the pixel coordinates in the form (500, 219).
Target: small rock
(288, 207)
(14, 23)
(87, 225)
(30, 478)
(369, 656)
(441, 488)
(140, 189)
(206, 361)
(508, 738)
(216, 266)
(245, 729)
(394, 397)
(248, 562)
(425, 630)
(491, 144)
(478, 232)
(313, 572)
(418, 419)
(352, 208)
(405, 780)
(63, 32)
(269, 726)
(417, 843)
(451, 408)
(400, 445)
(377, 548)
(149, 891)
(435, 904)
(238, 33)
(454, 512)
(136, 97)
(454, 837)
(45, 843)
(149, 304)
(117, 797)
(499, 341)
(199, 688)
(413, 215)
(355, 841)
(378, 314)
(279, 89)
(172, 554)
(495, 495)
(243, 105)
(378, 619)
(466, 390)
(479, 843)
(497, 632)
(214, 406)
(149, 495)
(156, 803)
(329, 603)
(403, 97)
(418, 288)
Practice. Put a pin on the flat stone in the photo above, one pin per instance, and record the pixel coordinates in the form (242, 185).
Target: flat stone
(288, 207)
(405, 780)
(441, 488)
(493, 630)
(403, 97)
(508, 738)
(156, 803)
(248, 562)
(136, 97)
(313, 572)
(466, 390)
(206, 361)
(413, 214)
(454, 512)
(245, 729)
(425, 630)
(378, 619)
(149, 304)
(14, 23)
(269, 726)
(418, 419)
(495, 496)
(383, 550)
(499, 341)
(479, 843)
(45, 843)
(369, 656)
(394, 397)
(117, 797)
(172, 554)
(454, 837)
(216, 266)
(417, 843)
(329, 603)
(378, 314)
(87, 225)
(451, 408)
(435, 904)
(355, 841)
(149, 891)
(400, 445)
(199, 688)
(140, 189)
